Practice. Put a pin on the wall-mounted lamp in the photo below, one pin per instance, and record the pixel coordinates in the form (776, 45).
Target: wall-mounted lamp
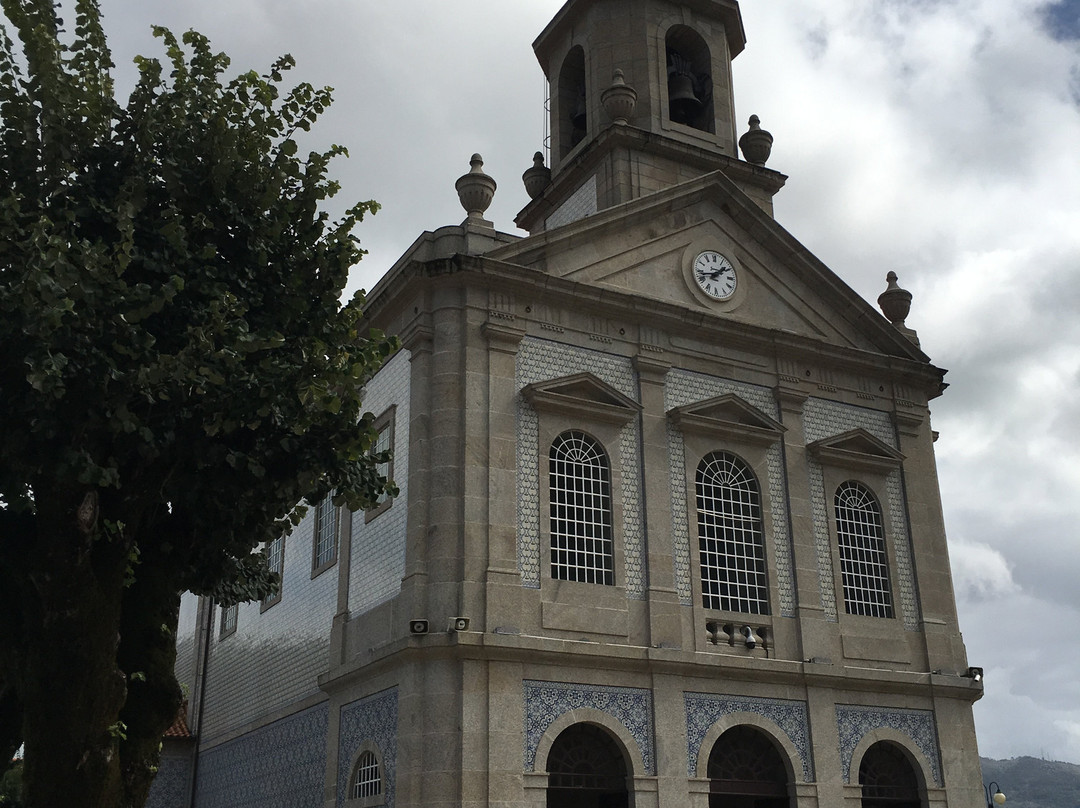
(997, 799)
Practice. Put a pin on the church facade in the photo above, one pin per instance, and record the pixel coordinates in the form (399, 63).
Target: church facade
(668, 531)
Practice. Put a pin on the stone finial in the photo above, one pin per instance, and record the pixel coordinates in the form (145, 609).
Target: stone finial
(475, 189)
(537, 178)
(756, 144)
(619, 99)
(895, 302)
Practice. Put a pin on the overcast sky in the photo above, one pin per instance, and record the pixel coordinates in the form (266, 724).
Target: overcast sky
(936, 138)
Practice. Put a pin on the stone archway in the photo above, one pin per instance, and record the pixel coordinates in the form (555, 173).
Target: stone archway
(888, 778)
(587, 769)
(746, 770)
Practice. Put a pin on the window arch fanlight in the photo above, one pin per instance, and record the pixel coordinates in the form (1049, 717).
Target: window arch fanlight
(582, 548)
(572, 103)
(690, 83)
(730, 536)
(864, 564)
(887, 778)
(586, 769)
(746, 770)
(366, 781)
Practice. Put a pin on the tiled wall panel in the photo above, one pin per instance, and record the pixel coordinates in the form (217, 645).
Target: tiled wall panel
(540, 360)
(372, 721)
(378, 546)
(854, 721)
(545, 702)
(186, 628)
(790, 717)
(825, 419)
(681, 388)
(281, 765)
(170, 786)
(274, 657)
(581, 203)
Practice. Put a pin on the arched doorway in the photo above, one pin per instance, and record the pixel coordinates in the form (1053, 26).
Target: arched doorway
(746, 771)
(888, 779)
(586, 769)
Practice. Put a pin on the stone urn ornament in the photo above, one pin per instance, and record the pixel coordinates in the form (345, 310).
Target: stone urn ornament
(619, 99)
(895, 302)
(475, 189)
(756, 144)
(537, 178)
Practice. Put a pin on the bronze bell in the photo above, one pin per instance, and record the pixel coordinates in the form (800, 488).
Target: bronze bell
(684, 105)
(579, 117)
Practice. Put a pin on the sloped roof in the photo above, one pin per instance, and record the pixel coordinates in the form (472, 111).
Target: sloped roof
(630, 246)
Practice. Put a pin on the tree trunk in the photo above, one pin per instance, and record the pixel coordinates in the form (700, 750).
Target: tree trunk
(71, 688)
(148, 647)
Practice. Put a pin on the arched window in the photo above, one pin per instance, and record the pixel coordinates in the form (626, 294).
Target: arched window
(690, 83)
(586, 769)
(366, 778)
(580, 505)
(732, 546)
(745, 770)
(572, 103)
(864, 565)
(887, 778)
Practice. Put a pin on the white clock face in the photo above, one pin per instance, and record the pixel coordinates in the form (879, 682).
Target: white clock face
(715, 275)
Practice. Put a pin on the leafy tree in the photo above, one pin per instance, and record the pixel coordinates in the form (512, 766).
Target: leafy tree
(176, 373)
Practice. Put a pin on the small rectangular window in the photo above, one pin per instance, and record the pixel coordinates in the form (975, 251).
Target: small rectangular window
(324, 544)
(228, 620)
(384, 426)
(275, 560)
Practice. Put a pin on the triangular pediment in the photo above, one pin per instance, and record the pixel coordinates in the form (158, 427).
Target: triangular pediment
(727, 416)
(581, 394)
(647, 247)
(857, 448)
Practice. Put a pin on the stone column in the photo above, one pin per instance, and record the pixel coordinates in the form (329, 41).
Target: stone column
(501, 576)
(664, 629)
(418, 339)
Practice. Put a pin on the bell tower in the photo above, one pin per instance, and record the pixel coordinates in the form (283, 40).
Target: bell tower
(640, 99)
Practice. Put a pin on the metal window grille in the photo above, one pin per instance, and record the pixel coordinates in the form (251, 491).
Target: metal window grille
(367, 781)
(382, 444)
(580, 504)
(275, 560)
(864, 565)
(228, 619)
(730, 538)
(325, 532)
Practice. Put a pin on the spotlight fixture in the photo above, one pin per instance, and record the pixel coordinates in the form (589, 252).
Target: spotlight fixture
(458, 624)
(976, 674)
(418, 626)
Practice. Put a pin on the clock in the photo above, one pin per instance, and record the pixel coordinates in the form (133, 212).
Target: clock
(715, 275)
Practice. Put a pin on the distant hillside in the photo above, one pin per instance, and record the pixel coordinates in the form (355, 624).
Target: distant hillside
(1029, 782)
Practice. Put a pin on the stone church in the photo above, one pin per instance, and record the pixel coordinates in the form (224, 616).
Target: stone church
(669, 529)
